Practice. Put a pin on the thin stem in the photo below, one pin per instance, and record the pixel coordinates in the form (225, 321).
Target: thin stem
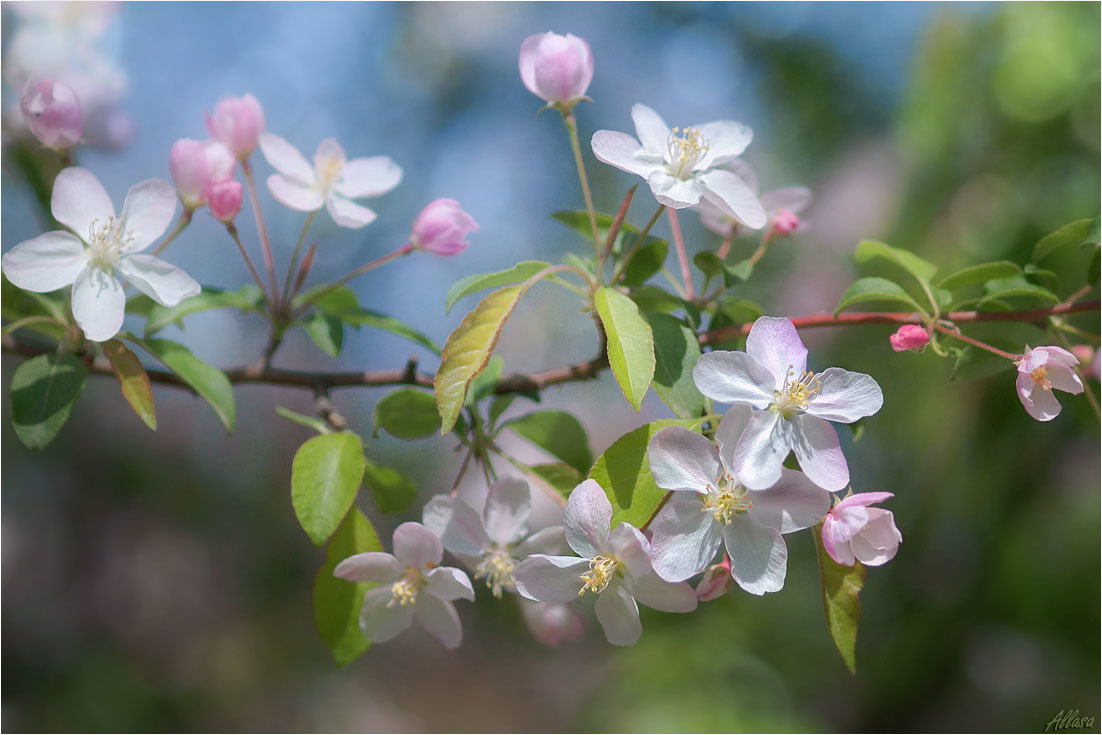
(230, 228)
(626, 255)
(572, 128)
(18, 324)
(285, 301)
(404, 250)
(661, 504)
(614, 231)
(184, 221)
(673, 282)
(262, 231)
(763, 247)
(956, 334)
(462, 472)
(1088, 392)
(725, 248)
(682, 256)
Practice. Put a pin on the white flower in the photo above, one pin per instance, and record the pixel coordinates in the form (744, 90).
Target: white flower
(333, 181)
(106, 248)
(1040, 370)
(854, 530)
(711, 507)
(490, 542)
(411, 585)
(781, 206)
(680, 165)
(615, 566)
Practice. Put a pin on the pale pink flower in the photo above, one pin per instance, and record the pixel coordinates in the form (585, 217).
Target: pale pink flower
(442, 227)
(557, 69)
(52, 113)
(238, 123)
(1040, 371)
(551, 624)
(194, 165)
(225, 198)
(716, 582)
(909, 337)
(854, 530)
(782, 206)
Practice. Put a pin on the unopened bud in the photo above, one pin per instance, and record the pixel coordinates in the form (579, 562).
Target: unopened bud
(716, 581)
(785, 223)
(52, 113)
(909, 337)
(238, 123)
(557, 69)
(441, 228)
(224, 198)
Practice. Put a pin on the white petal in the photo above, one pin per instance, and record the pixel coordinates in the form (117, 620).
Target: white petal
(653, 592)
(652, 130)
(793, 504)
(775, 343)
(457, 524)
(794, 199)
(685, 539)
(449, 583)
(439, 618)
(99, 304)
(618, 614)
(759, 556)
(732, 197)
(586, 519)
(285, 158)
(734, 377)
(166, 284)
(762, 449)
(816, 446)
(1041, 404)
(628, 544)
(879, 540)
(550, 578)
(682, 460)
(368, 177)
(347, 213)
(1064, 378)
(45, 263)
(550, 540)
(147, 212)
(675, 193)
(726, 141)
(845, 397)
(729, 432)
(508, 505)
(837, 549)
(79, 199)
(379, 622)
(293, 195)
(416, 546)
(743, 170)
(370, 566)
(624, 152)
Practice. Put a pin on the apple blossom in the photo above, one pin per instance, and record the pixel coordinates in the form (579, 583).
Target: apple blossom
(195, 165)
(1041, 370)
(411, 585)
(781, 206)
(441, 227)
(792, 406)
(716, 581)
(52, 113)
(106, 246)
(492, 541)
(615, 566)
(551, 624)
(711, 508)
(909, 337)
(238, 123)
(557, 69)
(333, 181)
(681, 166)
(225, 197)
(854, 530)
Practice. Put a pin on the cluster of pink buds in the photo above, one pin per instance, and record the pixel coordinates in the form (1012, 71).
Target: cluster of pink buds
(51, 111)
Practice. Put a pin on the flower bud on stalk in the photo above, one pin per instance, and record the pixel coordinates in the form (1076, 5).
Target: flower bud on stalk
(237, 122)
(225, 199)
(195, 165)
(52, 113)
(441, 228)
(909, 337)
(557, 69)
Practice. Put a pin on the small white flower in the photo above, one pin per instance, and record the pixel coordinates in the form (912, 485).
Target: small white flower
(1040, 370)
(680, 165)
(411, 585)
(333, 181)
(105, 249)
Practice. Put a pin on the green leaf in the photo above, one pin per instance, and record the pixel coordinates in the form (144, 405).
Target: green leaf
(562, 478)
(877, 289)
(740, 311)
(485, 383)
(393, 491)
(841, 587)
(630, 343)
(1074, 233)
(206, 380)
(676, 351)
(133, 380)
(337, 602)
(481, 281)
(974, 274)
(325, 475)
(18, 303)
(342, 304)
(578, 220)
(1041, 276)
(645, 261)
(498, 406)
(623, 470)
(407, 413)
(468, 350)
(43, 391)
(246, 298)
(326, 331)
(654, 299)
(710, 264)
(972, 363)
(1017, 287)
(310, 422)
(1093, 268)
(921, 269)
(558, 433)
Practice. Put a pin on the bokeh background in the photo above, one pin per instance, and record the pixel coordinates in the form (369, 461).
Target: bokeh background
(159, 581)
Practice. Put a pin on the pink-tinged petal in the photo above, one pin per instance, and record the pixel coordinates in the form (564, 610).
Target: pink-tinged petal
(1064, 378)
(190, 171)
(793, 504)
(347, 213)
(733, 197)
(775, 343)
(368, 177)
(628, 544)
(845, 397)
(652, 130)
(863, 499)
(440, 619)
(726, 141)
(379, 620)
(1041, 404)
(685, 539)
(557, 69)
(457, 524)
(716, 581)
(286, 159)
(550, 540)
(52, 113)
(79, 199)
(794, 199)
(449, 583)
(761, 451)
(879, 540)
(670, 597)
(713, 219)
(416, 546)
(553, 579)
(837, 549)
(166, 284)
(586, 519)
(99, 304)
(370, 566)
(220, 160)
(508, 506)
(759, 556)
(293, 195)
(622, 151)
(729, 432)
(675, 193)
(147, 212)
(45, 263)
(618, 614)
(820, 456)
(844, 523)
(683, 460)
(1057, 355)
(529, 52)
(551, 624)
(734, 377)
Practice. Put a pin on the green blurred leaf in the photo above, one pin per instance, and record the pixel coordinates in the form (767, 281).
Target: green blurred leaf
(133, 380)
(869, 250)
(655, 299)
(485, 383)
(561, 478)
(407, 413)
(841, 587)
(206, 380)
(342, 304)
(246, 298)
(1018, 288)
(974, 274)
(1042, 276)
(498, 406)
(558, 433)
(630, 343)
(710, 264)
(645, 261)
(973, 363)
(480, 281)
(43, 392)
(393, 491)
(740, 311)
(325, 475)
(676, 351)
(1093, 268)
(1074, 233)
(326, 331)
(18, 303)
(865, 290)
(578, 220)
(310, 422)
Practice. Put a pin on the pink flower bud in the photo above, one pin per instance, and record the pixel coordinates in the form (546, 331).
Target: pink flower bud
(785, 223)
(557, 69)
(853, 530)
(441, 227)
(52, 113)
(237, 122)
(195, 165)
(716, 581)
(909, 337)
(1084, 353)
(551, 623)
(224, 198)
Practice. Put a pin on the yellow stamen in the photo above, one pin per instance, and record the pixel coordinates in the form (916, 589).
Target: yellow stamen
(684, 151)
(497, 569)
(601, 569)
(1040, 377)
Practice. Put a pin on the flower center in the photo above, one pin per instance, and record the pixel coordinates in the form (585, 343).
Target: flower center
(497, 569)
(726, 498)
(797, 390)
(1040, 377)
(684, 149)
(405, 589)
(601, 569)
(107, 242)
